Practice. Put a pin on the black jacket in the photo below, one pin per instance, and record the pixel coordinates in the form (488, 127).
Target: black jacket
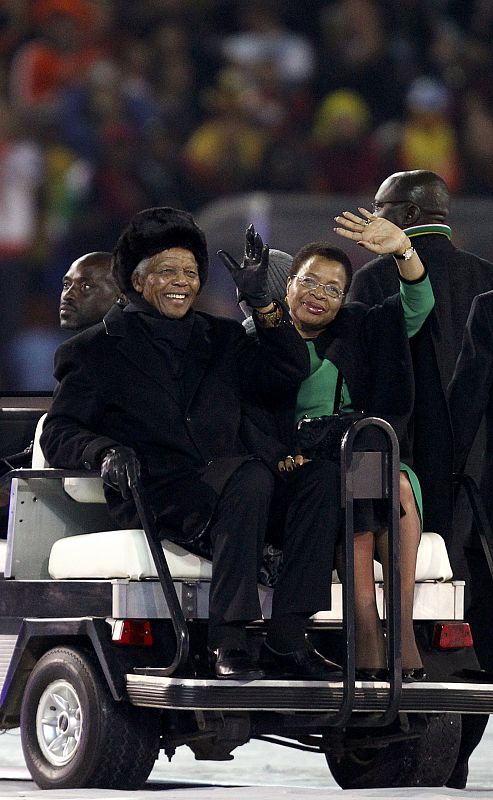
(189, 433)
(369, 345)
(456, 277)
(471, 391)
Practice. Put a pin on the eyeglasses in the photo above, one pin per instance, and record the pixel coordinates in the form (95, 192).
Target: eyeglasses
(330, 289)
(377, 206)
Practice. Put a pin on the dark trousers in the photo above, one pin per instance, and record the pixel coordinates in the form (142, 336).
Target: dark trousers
(312, 521)
(478, 614)
(311, 496)
(237, 534)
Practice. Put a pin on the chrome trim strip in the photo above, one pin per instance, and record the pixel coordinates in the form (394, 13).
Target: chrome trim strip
(306, 696)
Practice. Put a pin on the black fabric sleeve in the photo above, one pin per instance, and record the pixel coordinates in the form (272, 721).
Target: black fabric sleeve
(470, 388)
(69, 439)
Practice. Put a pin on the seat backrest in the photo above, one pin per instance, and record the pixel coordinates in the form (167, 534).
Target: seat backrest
(82, 490)
(39, 461)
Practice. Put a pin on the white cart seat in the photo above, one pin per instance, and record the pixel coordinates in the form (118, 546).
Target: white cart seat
(120, 554)
(125, 554)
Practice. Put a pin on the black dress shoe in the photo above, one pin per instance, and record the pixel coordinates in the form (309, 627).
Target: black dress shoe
(235, 664)
(372, 674)
(304, 663)
(413, 674)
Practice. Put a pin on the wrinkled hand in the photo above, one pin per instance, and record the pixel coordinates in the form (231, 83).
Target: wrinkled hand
(250, 276)
(120, 468)
(376, 234)
(290, 463)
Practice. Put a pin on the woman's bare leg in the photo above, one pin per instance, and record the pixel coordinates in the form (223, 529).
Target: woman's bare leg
(369, 638)
(410, 532)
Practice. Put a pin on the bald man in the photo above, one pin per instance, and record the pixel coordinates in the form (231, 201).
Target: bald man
(418, 202)
(88, 292)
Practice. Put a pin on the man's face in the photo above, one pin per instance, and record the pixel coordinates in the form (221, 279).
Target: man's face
(390, 203)
(313, 309)
(170, 281)
(88, 293)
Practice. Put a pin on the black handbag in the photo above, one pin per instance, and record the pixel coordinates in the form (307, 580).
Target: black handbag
(320, 437)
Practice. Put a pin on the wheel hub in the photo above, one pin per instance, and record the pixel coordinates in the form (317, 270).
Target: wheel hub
(59, 723)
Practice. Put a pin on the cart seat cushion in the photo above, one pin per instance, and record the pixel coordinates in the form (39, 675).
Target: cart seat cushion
(39, 461)
(82, 490)
(432, 563)
(120, 554)
(125, 554)
(85, 490)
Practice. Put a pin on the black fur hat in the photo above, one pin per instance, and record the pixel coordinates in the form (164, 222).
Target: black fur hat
(151, 231)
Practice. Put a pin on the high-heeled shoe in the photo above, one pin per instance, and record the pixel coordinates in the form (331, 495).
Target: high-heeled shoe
(413, 674)
(382, 674)
(372, 674)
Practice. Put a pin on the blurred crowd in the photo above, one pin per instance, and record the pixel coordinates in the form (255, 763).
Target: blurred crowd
(109, 106)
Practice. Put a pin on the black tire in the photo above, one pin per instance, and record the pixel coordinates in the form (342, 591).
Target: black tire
(426, 761)
(73, 733)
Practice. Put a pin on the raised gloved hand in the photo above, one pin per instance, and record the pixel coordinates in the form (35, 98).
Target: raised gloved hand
(250, 276)
(119, 468)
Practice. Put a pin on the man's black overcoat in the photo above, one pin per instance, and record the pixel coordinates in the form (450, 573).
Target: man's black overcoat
(471, 392)
(471, 400)
(456, 277)
(190, 433)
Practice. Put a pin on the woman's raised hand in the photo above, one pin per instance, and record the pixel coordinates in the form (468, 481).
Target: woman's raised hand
(376, 234)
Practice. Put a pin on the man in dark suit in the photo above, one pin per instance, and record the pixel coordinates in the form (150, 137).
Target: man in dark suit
(471, 400)
(418, 202)
(88, 292)
(159, 389)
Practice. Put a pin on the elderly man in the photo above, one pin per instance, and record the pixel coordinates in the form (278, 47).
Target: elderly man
(88, 292)
(159, 389)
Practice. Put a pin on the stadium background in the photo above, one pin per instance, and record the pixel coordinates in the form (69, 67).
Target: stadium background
(280, 113)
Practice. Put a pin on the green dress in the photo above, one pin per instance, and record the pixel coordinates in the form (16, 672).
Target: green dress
(315, 396)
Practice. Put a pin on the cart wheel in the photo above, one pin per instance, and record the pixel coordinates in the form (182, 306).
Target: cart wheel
(74, 735)
(424, 761)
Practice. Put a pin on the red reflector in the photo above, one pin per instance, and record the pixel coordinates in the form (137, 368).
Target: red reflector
(449, 635)
(132, 631)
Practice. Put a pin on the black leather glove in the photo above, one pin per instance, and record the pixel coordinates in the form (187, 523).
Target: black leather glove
(251, 275)
(120, 467)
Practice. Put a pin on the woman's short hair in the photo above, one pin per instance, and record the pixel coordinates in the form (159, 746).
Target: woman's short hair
(325, 250)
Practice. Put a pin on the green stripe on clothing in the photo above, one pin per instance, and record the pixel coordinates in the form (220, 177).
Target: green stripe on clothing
(417, 301)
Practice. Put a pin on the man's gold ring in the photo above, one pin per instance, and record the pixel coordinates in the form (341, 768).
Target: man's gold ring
(368, 221)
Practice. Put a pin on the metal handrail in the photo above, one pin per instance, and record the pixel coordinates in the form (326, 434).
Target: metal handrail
(342, 716)
(177, 617)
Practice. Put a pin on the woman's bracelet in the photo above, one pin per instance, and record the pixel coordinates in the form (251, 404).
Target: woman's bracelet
(269, 319)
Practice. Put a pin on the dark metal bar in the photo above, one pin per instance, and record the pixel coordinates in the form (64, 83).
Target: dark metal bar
(165, 579)
(348, 495)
